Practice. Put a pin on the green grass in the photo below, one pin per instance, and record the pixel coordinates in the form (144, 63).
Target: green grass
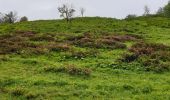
(23, 75)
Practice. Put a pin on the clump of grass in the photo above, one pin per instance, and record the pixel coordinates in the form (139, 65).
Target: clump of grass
(4, 58)
(70, 69)
(18, 92)
(147, 89)
(128, 87)
(31, 96)
(3, 90)
(7, 82)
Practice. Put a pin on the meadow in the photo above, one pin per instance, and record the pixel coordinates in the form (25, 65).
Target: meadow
(89, 58)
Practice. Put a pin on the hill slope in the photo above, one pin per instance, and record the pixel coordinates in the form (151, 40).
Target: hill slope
(90, 58)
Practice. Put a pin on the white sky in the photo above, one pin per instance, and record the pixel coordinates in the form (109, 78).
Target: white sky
(47, 9)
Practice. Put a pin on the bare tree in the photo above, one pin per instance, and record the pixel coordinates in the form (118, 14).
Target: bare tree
(82, 11)
(66, 11)
(10, 17)
(146, 10)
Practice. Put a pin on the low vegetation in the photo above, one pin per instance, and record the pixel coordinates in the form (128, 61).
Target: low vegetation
(70, 69)
(154, 57)
(90, 58)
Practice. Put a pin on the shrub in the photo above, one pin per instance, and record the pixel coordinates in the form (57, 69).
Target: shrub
(23, 19)
(127, 87)
(11, 44)
(129, 57)
(78, 71)
(147, 89)
(44, 37)
(153, 57)
(148, 48)
(70, 69)
(121, 38)
(106, 42)
(26, 33)
(85, 42)
(109, 44)
(100, 43)
(80, 54)
(58, 47)
(155, 65)
(18, 43)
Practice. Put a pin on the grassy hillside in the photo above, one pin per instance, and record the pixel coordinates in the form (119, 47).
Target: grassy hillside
(90, 58)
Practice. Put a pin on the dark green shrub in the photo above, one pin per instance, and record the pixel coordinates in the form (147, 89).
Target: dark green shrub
(23, 19)
(127, 87)
(146, 89)
(129, 58)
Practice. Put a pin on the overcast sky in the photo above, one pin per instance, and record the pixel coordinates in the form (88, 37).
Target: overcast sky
(47, 9)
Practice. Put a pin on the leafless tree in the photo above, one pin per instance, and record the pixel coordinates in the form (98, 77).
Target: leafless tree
(82, 11)
(66, 11)
(146, 10)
